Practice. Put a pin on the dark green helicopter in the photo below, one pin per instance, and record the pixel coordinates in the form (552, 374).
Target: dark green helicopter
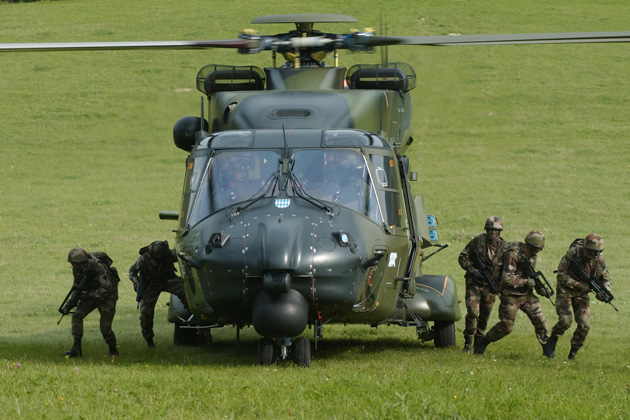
(297, 209)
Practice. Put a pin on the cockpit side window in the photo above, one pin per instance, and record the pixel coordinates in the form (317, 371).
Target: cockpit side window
(388, 186)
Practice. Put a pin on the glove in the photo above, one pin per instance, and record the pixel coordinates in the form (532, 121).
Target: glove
(85, 296)
(135, 287)
(476, 274)
(599, 297)
(531, 283)
(541, 290)
(582, 287)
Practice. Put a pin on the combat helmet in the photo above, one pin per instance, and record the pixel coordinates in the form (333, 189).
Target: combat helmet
(535, 239)
(593, 244)
(77, 255)
(493, 223)
(159, 248)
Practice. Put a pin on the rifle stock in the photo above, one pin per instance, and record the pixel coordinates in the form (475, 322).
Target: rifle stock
(481, 267)
(594, 282)
(539, 278)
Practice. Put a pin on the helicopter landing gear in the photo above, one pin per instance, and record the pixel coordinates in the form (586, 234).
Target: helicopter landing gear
(299, 350)
(444, 333)
(265, 351)
(302, 352)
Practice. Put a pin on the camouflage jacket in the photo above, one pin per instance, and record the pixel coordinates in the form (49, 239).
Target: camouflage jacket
(152, 270)
(567, 281)
(489, 254)
(100, 281)
(513, 277)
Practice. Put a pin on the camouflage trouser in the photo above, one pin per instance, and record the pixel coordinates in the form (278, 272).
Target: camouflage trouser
(479, 302)
(507, 313)
(106, 307)
(149, 300)
(581, 308)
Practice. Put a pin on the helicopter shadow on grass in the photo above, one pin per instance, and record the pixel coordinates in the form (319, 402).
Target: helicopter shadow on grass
(224, 350)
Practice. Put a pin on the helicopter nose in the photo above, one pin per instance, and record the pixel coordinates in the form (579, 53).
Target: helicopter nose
(280, 315)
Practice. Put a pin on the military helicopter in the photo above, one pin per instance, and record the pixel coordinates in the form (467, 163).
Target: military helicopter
(297, 209)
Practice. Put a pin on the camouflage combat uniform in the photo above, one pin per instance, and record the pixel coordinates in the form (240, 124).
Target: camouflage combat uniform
(515, 295)
(157, 272)
(572, 293)
(479, 298)
(102, 290)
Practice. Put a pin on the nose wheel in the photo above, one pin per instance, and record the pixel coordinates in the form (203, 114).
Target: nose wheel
(299, 351)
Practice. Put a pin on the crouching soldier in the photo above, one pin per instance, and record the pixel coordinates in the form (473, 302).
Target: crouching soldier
(583, 259)
(152, 274)
(97, 284)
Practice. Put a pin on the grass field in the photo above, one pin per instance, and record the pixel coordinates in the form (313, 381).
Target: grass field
(537, 135)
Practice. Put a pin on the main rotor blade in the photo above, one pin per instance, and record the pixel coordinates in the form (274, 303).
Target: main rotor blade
(505, 39)
(132, 45)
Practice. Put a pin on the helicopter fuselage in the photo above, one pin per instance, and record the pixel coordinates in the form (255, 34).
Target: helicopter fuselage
(297, 208)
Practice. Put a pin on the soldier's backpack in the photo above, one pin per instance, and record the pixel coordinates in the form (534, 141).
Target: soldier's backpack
(104, 258)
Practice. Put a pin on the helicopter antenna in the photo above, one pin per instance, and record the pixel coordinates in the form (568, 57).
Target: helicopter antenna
(285, 163)
(384, 51)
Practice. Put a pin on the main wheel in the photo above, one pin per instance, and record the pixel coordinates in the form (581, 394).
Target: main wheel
(265, 351)
(302, 352)
(444, 333)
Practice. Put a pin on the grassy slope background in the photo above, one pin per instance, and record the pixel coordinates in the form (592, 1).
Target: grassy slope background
(537, 135)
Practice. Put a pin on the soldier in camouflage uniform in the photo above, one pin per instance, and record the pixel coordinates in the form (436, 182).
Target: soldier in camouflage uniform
(479, 298)
(571, 293)
(154, 273)
(516, 293)
(101, 293)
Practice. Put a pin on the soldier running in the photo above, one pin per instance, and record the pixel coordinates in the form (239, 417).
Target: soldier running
(517, 293)
(489, 247)
(101, 292)
(573, 293)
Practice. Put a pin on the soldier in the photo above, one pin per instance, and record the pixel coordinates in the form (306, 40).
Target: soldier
(516, 293)
(572, 293)
(152, 274)
(100, 293)
(489, 247)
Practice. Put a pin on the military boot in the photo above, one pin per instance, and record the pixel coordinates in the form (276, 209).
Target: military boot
(75, 351)
(573, 352)
(481, 342)
(549, 348)
(113, 351)
(150, 343)
(467, 344)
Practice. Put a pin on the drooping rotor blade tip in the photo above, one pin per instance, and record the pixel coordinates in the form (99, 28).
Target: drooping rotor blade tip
(237, 43)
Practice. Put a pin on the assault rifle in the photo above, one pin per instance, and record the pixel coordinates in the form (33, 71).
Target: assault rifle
(594, 282)
(542, 285)
(477, 263)
(72, 299)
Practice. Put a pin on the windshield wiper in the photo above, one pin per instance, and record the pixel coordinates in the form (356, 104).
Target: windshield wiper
(300, 192)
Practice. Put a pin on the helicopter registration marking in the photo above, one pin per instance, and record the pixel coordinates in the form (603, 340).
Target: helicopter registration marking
(283, 203)
(392, 259)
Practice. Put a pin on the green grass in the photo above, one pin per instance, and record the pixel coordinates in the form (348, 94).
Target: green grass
(537, 135)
